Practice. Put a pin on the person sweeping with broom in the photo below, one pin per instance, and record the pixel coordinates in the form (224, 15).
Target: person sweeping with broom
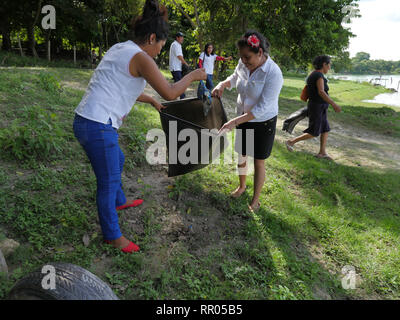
(117, 83)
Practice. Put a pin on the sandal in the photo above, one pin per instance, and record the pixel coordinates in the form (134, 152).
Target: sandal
(236, 196)
(289, 147)
(135, 203)
(325, 156)
(131, 247)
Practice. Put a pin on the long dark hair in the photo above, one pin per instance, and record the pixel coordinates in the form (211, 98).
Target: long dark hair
(206, 48)
(264, 43)
(153, 20)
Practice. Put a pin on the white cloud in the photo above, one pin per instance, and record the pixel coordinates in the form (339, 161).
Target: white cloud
(377, 30)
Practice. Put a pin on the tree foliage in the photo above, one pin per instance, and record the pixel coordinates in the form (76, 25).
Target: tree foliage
(362, 64)
(297, 29)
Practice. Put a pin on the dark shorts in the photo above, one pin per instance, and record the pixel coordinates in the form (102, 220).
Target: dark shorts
(318, 120)
(257, 143)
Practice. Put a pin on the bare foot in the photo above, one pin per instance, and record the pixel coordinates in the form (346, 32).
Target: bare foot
(120, 243)
(254, 206)
(238, 192)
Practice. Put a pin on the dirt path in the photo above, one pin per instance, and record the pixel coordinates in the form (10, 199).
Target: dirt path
(351, 146)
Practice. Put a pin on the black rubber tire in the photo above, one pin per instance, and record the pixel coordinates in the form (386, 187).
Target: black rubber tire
(72, 283)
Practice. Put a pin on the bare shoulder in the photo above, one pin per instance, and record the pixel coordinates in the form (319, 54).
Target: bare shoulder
(140, 62)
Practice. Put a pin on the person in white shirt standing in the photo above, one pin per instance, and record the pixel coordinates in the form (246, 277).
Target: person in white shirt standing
(117, 83)
(176, 59)
(258, 80)
(207, 61)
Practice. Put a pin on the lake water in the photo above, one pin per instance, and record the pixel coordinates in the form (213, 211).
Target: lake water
(388, 81)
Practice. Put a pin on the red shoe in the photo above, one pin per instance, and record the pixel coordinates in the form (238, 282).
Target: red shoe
(135, 203)
(131, 247)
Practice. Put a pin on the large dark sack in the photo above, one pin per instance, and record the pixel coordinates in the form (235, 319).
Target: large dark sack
(189, 114)
(290, 123)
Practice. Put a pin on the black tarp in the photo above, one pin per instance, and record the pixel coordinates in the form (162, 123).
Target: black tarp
(189, 114)
(294, 119)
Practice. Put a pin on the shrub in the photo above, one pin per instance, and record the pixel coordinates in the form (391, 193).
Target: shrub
(49, 83)
(37, 135)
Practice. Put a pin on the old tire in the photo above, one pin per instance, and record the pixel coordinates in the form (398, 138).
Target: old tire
(71, 283)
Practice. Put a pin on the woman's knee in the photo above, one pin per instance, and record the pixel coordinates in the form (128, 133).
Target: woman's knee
(259, 163)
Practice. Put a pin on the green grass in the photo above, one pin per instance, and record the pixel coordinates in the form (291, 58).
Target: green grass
(316, 216)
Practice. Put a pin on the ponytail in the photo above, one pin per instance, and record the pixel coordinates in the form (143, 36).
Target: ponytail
(153, 20)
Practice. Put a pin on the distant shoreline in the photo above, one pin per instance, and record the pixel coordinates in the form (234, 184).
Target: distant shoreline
(390, 82)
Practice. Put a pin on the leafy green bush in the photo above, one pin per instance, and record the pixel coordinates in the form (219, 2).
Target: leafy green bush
(49, 83)
(37, 135)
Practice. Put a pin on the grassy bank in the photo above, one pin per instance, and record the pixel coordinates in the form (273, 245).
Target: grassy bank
(197, 243)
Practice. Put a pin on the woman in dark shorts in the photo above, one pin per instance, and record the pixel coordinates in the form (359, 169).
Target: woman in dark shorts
(258, 81)
(318, 103)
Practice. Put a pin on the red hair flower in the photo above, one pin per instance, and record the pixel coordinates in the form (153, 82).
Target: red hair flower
(253, 41)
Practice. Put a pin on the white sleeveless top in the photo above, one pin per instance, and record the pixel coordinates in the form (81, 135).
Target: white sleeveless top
(112, 90)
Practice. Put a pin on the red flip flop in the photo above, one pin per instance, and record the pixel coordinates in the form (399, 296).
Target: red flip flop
(131, 247)
(135, 203)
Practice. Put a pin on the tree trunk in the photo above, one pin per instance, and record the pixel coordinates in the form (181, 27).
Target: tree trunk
(104, 35)
(31, 40)
(6, 45)
(100, 52)
(20, 46)
(201, 37)
(115, 32)
(31, 30)
(48, 45)
(184, 13)
(106, 39)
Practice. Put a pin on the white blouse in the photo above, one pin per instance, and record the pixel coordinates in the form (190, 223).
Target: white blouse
(208, 62)
(259, 92)
(112, 90)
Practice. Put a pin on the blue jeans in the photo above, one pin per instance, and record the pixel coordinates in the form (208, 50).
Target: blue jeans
(100, 142)
(209, 82)
(177, 75)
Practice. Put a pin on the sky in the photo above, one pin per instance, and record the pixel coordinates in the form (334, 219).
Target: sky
(378, 30)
